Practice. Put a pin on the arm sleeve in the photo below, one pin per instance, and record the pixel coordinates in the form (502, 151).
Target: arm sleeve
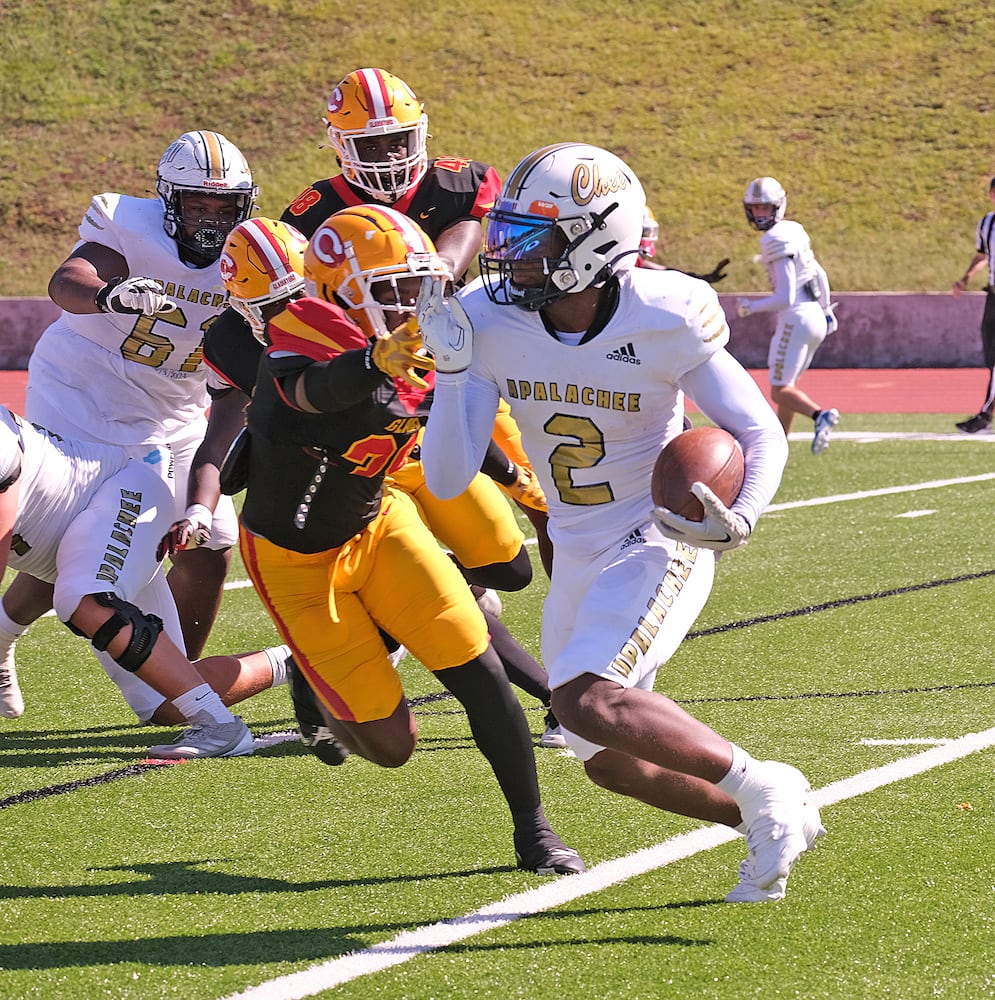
(783, 296)
(723, 390)
(458, 432)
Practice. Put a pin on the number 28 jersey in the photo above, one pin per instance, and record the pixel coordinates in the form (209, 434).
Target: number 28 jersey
(123, 379)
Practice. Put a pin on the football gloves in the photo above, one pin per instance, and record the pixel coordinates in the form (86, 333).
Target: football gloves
(397, 354)
(193, 529)
(526, 490)
(721, 529)
(133, 296)
(832, 323)
(445, 326)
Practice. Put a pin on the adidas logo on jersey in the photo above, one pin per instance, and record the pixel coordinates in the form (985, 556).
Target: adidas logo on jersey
(626, 354)
(633, 538)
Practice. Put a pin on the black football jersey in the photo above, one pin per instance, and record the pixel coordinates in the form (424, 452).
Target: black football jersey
(453, 189)
(316, 479)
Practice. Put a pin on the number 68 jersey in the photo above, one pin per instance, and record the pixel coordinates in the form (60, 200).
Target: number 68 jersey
(122, 379)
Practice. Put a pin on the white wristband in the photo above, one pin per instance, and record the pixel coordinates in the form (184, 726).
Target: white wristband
(197, 513)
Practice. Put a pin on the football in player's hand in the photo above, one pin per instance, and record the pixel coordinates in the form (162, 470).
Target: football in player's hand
(707, 455)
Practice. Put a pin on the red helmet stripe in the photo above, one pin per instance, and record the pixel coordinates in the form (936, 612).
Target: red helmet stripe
(269, 251)
(376, 93)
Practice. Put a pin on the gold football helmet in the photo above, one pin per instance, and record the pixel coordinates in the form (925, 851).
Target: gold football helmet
(358, 249)
(262, 264)
(378, 130)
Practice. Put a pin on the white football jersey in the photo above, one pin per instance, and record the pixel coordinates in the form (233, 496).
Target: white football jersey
(123, 379)
(789, 239)
(58, 480)
(594, 416)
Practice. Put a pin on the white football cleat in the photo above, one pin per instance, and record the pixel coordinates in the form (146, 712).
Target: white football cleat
(824, 424)
(749, 891)
(780, 823)
(208, 739)
(11, 699)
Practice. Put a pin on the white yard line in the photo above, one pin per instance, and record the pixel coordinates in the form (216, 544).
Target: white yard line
(410, 944)
(933, 484)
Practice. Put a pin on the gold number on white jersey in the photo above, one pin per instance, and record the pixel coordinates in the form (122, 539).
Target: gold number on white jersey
(153, 349)
(585, 451)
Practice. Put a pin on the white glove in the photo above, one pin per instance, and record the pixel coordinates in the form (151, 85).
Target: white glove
(445, 327)
(743, 307)
(832, 323)
(133, 296)
(721, 529)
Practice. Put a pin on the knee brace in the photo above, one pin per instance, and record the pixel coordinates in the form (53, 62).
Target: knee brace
(145, 631)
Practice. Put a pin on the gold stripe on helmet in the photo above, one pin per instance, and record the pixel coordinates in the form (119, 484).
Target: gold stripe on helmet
(215, 158)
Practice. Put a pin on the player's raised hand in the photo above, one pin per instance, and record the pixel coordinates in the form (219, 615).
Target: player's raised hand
(400, 353)
(445, 326)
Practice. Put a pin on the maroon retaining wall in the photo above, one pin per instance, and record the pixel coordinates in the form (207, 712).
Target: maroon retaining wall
(877, 330)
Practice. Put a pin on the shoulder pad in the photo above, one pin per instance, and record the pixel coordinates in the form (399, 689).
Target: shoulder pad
(314, 329)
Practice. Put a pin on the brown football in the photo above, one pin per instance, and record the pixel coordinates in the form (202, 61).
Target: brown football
(708, 455)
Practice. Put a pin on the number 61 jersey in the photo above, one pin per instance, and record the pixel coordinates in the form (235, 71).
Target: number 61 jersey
(123, 379)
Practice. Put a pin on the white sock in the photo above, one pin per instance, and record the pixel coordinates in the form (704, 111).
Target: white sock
(739, 781)
(278, 656)
(201, 700)
(10, 631)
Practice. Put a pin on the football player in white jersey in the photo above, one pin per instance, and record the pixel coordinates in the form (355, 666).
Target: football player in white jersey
(594, 357)
(85, 519)
(123, 364)
(801, 299)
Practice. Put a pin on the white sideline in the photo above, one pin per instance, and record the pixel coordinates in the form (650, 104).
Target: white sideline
(410, 944)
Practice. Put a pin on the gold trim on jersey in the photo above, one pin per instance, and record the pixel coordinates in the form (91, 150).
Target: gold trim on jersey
(657, 608)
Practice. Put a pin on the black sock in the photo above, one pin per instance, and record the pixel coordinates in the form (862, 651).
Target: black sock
(499, 729)
(523, 671)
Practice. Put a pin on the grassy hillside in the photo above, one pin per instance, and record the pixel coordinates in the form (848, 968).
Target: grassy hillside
(874, 114)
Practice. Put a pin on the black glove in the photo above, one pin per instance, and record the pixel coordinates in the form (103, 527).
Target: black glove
(715, 275)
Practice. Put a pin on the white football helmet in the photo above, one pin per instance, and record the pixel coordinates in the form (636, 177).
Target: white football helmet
(574, 208)
(262, 264)
(367, 104)
(202, 163)
(765, 191)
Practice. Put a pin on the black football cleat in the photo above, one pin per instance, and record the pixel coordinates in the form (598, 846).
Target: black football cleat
(980, 423)
(315, 735)
(545, 854)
